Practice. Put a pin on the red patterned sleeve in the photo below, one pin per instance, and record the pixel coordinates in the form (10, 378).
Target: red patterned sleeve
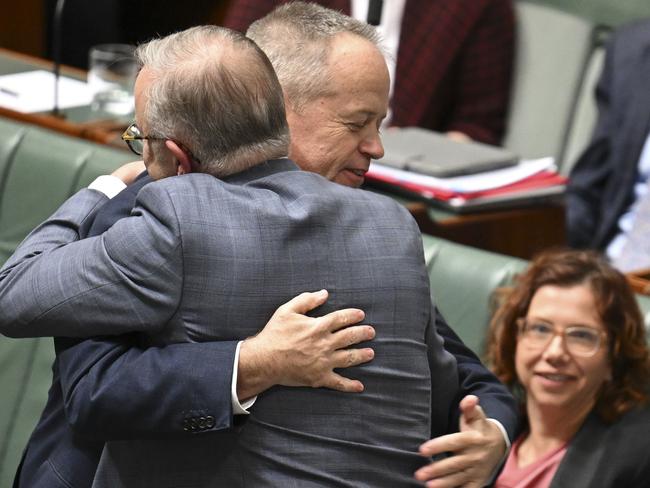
(485, 74)
(242, 13)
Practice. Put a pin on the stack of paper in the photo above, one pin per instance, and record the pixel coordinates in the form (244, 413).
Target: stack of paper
(33, 91)
(516, 180)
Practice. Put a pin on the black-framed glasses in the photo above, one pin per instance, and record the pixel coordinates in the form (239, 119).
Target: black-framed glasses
(578, 340)
(135, 140)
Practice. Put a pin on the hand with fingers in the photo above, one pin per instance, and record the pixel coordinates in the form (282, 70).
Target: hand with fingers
(129, 172)
(476, 451)
(296, 350)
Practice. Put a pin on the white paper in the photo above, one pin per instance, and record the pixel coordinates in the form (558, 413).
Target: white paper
(486, 180)
(33, 91)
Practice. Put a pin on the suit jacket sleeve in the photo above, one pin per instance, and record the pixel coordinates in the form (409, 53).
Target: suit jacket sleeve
(475, 379)
(592, 170)
(113, 389)
(128, 279)
(444, 381)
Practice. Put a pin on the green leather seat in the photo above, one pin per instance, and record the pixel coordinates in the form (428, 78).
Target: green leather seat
(463, 281)
(39, 170)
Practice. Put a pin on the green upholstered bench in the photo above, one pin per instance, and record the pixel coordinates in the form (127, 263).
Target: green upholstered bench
(463, 280)
(39, 170)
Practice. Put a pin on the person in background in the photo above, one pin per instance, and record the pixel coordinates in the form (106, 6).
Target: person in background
(569, 340)
(450, 61)
(608, 197)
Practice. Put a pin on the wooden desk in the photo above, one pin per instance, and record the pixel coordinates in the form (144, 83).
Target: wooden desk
(520, 232)
(77, 121)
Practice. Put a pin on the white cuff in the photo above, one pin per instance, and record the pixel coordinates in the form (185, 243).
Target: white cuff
(505, 456)
(238, 408)
(504, 433)
(109, 185)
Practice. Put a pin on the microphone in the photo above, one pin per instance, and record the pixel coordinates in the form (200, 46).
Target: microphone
(374, 12)
(56, 53)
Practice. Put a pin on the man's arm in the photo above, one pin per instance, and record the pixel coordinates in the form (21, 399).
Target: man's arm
(475, 460)
(114, 389)
(185, 382)
(479, 448)
(58, 285)
(475, 379)
(591, 172)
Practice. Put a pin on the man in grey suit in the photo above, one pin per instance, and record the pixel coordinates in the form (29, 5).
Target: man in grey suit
(237, 246)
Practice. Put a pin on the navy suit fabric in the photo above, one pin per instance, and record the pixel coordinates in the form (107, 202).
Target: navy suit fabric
(601, 184)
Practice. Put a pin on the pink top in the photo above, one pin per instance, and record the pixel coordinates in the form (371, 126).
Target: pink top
(535, 475)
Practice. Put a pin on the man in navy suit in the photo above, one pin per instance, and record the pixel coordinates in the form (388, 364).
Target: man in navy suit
(190, 370)
(611, 176)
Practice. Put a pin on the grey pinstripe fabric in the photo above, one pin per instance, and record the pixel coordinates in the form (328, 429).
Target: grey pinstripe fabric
(202, 260)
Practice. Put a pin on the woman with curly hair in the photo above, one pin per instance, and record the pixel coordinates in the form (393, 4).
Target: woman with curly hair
(569, 340)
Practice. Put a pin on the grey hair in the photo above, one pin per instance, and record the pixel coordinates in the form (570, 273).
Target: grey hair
(297, 39)
(215, 92)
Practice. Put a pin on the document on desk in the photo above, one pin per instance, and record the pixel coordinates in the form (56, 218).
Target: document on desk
(33, 91)
(483, 181)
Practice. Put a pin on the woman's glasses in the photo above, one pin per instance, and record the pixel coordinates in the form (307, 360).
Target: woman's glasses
(578, 340)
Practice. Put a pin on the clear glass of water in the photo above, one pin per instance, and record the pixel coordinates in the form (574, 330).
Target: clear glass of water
(111, 75)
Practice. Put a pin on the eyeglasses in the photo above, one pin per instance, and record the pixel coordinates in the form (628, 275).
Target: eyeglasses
(135, 140)
(579, 341)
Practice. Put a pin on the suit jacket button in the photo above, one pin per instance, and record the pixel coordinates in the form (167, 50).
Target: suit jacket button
(209, 421)
(186, 425)
(202, 423)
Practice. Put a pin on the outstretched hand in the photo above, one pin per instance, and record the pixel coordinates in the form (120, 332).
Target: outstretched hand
(476, 451)
(296, 350)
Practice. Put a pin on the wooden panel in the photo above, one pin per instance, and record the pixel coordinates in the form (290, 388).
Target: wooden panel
(22, 27)
(516, 232)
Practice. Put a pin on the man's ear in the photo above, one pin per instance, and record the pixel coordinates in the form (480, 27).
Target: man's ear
(183, 161)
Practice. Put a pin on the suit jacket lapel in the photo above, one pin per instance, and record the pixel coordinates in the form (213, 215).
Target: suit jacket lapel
(583, 457)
